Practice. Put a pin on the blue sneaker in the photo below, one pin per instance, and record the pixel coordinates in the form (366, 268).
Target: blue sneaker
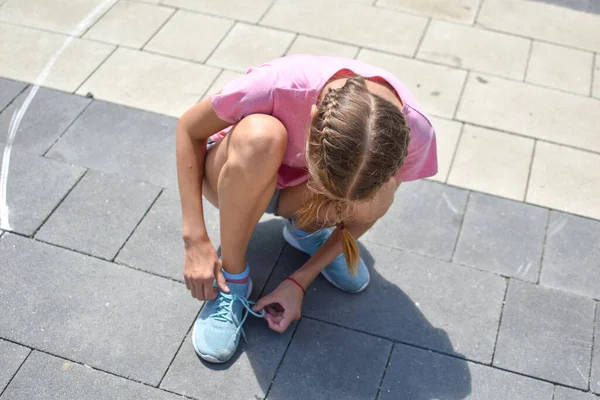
(217, 329)
(337, 272)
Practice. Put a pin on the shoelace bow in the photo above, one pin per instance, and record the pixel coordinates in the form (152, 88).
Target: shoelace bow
(225, 312)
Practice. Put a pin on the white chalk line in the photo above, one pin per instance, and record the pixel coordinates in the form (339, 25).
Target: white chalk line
(17, 116)
(449, 203)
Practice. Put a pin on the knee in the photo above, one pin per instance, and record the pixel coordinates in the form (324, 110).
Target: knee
(261, 135)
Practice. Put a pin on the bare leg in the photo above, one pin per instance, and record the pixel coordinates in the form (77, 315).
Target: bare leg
(240, 178)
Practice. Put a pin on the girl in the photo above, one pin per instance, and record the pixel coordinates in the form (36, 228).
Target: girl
(321, 141)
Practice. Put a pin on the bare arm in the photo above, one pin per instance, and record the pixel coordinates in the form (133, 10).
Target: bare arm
(327, 253)
(193, 130)
(367, 216)
(288, 295)
(201, 260)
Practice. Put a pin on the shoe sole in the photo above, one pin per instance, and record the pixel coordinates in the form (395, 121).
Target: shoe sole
(206, 357)
(292, 241)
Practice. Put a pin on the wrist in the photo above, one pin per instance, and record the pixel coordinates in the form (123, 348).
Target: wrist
(297, 284)
(306, 274)
(196, 239)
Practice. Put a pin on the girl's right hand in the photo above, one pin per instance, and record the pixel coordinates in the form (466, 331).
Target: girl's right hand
(202, 267)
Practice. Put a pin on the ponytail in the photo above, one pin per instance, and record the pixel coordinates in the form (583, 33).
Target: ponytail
(309, 213)
(351, 250)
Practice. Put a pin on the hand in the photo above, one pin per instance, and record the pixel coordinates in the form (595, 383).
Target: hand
(202, 266)
(282, 306)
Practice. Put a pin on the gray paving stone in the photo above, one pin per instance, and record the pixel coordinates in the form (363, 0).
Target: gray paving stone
(502, 236)
(418, 374)
(9, 89)
(11, 357)
(412, 299)
(329, 362)
(35, 187)
(595, 375)
(425, 218)
(546, 334)
(117, 139)
(44, 377)
(99, 214)
(156, 244)
(562, 393)
(246, 376)
(49, 114)
(579, 5)
(101, 314)
(572, 255)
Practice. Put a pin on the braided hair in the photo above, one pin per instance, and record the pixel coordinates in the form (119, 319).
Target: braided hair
(357, 142)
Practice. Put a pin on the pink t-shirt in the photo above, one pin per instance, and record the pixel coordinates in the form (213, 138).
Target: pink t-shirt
(287, 87)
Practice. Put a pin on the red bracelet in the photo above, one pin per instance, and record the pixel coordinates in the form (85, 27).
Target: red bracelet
(296, 282)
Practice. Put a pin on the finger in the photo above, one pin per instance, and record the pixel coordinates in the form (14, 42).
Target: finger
(200, 291)
(193, 289)
(275, 324)
(221, 281)
(262, 303)
(273, 311)
(275, 319)
(284, 323)
(209, 292)
(187, 283)
(270, 310)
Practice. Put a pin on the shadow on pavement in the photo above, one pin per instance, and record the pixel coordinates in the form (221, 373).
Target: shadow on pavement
(383, 308)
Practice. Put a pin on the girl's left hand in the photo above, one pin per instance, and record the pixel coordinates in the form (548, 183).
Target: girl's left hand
(282, 306)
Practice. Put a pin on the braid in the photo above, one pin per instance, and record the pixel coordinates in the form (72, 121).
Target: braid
(330, 105)
(357, 142)
(328, 110)
(312, 211)
(331, 140)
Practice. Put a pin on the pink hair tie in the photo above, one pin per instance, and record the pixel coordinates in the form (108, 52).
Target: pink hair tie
(341, 226)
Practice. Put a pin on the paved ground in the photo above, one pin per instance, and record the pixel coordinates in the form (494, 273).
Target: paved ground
(485, 280)
(472, 296)
(514, 85)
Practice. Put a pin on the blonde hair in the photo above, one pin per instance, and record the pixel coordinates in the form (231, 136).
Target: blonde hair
(357, 142)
